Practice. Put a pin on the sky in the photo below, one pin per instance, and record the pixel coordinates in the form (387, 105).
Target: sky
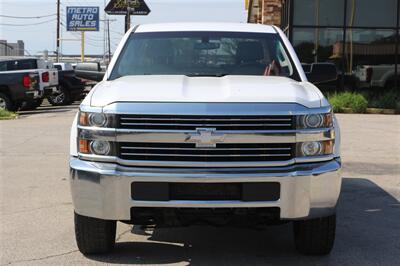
(42, 37)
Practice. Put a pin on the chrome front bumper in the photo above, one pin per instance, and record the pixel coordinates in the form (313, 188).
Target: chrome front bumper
(103, 190)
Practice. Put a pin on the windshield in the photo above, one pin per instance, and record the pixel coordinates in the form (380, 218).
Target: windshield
(203, 54)
(18, 65)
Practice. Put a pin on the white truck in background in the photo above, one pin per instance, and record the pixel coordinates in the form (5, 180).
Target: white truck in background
(376, 76)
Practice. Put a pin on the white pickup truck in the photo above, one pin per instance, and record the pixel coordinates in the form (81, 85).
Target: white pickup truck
(376, 76)
(206, 123)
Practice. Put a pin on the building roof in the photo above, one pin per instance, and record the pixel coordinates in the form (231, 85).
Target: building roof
(201, 26)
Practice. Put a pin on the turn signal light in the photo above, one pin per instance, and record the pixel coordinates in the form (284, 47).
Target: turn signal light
(83, 119)
(327, 147)
(84, 146)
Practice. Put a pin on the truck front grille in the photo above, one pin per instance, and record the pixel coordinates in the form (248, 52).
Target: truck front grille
(189, 152)
(163, 122)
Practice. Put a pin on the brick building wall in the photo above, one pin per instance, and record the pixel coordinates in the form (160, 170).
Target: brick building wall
(265, 12)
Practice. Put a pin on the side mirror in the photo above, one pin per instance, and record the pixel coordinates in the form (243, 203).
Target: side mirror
(90, 71)
(321, 72)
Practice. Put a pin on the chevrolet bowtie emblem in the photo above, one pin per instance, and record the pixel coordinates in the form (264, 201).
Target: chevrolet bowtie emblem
(205, 138)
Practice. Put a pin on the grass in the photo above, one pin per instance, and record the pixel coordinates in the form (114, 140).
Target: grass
(7, 115)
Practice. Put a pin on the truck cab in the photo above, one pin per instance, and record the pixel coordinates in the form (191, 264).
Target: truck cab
(211, 123)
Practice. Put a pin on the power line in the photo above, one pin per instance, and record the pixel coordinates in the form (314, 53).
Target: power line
(36, 17)
(30, 24)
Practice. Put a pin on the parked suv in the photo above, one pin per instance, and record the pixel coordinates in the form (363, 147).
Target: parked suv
(206, 123)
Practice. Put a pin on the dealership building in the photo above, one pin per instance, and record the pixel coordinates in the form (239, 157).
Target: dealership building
(350, 33)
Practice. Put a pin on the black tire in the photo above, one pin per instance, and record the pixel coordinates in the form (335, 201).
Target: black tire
(94, 236)
(6, 103)
(31, 105)
(61, 98)
(316, 236)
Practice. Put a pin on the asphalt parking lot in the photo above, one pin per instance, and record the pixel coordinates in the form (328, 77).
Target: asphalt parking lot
(36, 215)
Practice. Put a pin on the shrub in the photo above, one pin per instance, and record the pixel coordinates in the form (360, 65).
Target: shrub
(389, 100)
(354, 101)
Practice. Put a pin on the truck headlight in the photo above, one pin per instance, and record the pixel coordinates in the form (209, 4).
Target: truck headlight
(100, 147)
(96, 119)
(311, 148)
(314, 121)
(315, 148)
(96, 147)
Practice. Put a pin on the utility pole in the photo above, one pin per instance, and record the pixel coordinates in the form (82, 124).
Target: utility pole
(127, 16)
(109, 41)
(58, 32)
(104, 34)
(82, 46)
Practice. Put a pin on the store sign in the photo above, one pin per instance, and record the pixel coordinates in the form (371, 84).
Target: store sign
(83, 18)
(121, 7)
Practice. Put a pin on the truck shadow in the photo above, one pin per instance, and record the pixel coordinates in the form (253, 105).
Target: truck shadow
(368, 232)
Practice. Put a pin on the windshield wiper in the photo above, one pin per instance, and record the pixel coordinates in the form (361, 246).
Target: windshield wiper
(218, 75)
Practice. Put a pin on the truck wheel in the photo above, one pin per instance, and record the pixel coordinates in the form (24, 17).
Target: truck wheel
(61, 98)
(316, 236)
(6, 103)
(94, 236)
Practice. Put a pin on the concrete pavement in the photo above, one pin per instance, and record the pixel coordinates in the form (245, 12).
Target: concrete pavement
(36, 214)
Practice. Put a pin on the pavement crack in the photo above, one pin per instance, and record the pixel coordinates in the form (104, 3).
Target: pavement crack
(42, 258)
(38, 208)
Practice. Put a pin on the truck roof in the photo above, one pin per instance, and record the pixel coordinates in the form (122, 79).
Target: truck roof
(14, 58)
(206, 26)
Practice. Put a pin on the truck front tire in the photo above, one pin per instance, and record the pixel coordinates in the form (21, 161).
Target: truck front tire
(94, 236)
(316, 236)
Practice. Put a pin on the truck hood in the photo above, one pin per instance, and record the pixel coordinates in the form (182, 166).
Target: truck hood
(205, 89)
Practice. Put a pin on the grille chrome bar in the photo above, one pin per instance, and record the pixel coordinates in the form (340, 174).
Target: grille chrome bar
(205, 155)
(205, 119)
(206, 149)
(192, 122)
(206, 125)
(189, 152)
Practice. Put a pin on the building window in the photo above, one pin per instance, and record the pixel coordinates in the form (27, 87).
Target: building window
(318, 12)
(371, 47)
(317, 44)
(371, 13)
